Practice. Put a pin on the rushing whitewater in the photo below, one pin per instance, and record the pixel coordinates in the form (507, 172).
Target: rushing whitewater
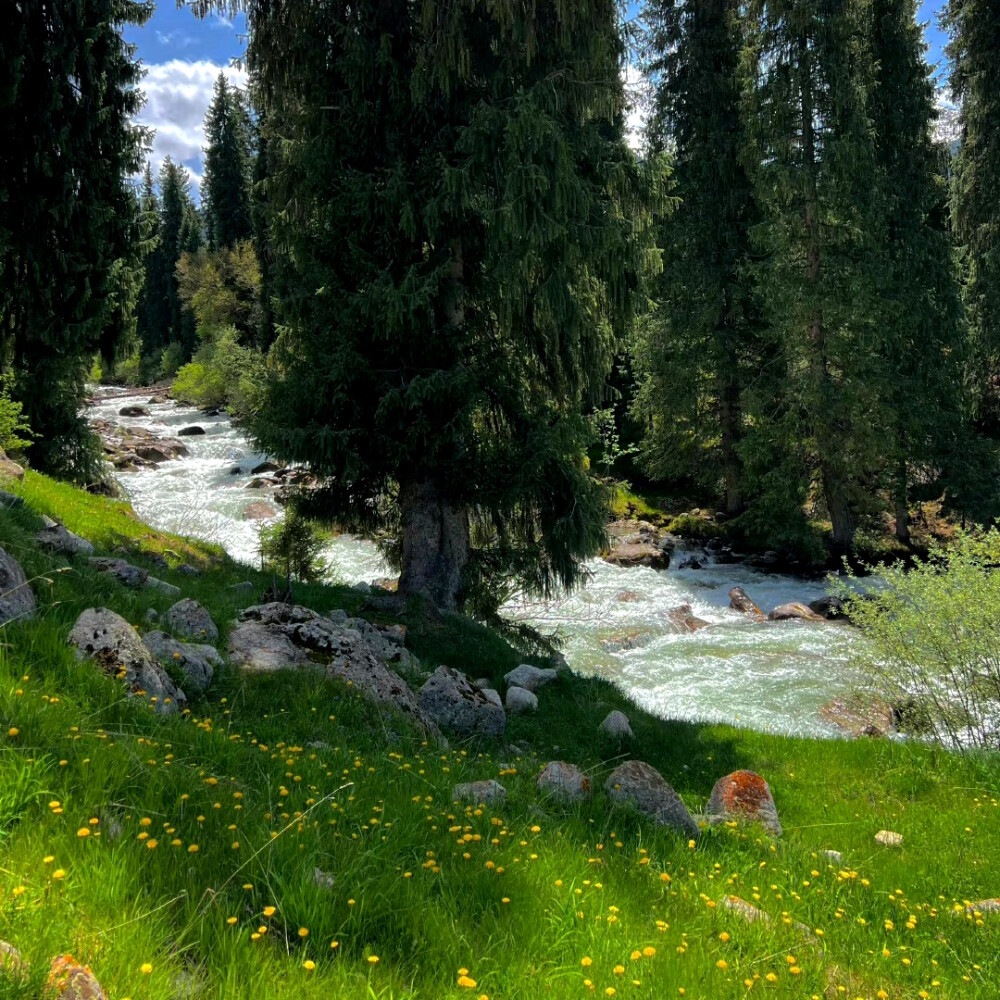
(770, 676)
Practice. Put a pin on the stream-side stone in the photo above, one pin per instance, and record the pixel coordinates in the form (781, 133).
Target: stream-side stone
(478, 791)
(197, 660)
(125, 573)
(739, 600)
(616, 725)
(117, 649)
(189, 620)
(451, 700)
(563, 781)
(521, 700)
(794, 611)
(529, 677)
(17, 599)
(636, 783)
(61, 540)
(68, 979)
(744, 796)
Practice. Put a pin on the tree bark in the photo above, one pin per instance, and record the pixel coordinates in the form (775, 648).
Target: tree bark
(436, 543)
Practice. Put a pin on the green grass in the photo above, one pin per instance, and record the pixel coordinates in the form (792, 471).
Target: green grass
(301, 774)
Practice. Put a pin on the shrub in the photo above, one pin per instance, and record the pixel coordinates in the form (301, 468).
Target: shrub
(15, 435)
(171, 359)
(199, 384)
(932, 639)
(130, 370)
(293, 547)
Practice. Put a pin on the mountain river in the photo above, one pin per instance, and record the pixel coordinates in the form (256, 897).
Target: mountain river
(767, 676)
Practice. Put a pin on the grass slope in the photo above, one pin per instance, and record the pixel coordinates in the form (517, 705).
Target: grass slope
(285, 840)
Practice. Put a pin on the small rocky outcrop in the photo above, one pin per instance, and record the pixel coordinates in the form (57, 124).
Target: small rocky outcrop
(125, 573)
(632, 638)
(494, 696)
(859, 715)
(750, 913)
(197, 661)
(616, 725)
(134, 410)
(452, 701)
(189, 620)
(564, 782)
(279, 636)
(638, 543)
(163, 587)
(530, 678)
(521, 700)
(889, 838)
(193, 431)
(636, 783)
(17, 599)
(835, 856)
(744, 796)
(478, 791)
(68, 979)
(131, 448)
(794, 611)
(739, 600)
(685, 619)
(9, 469)
(61, 540)
(831, 607)
(117, 649)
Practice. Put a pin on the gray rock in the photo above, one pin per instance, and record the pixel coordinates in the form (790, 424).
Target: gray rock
(323, 879)
(451, 701)
(530, 678)
(521, 700)
(60, 540)
(636, 783)
(125, 573)
(616, 725)
(744, 796)
(193, 431)
(889, 838)
(494, 696)
(188, 570)
(17, 599)
(639, 554)
(197, 660)
(116, 648)
(163, 587)
(835, 856)
(259, 648)
(133, 410)
(189, 620)
(478, 791)
(750, 913)
(10, 499)
(564, 782)
(151, 616)
(10, 469)
(830, 607)
(483, 683)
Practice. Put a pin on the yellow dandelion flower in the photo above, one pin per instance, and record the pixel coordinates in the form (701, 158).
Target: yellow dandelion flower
(586, 961)
(303, 932)
(309, 965)
(723, 937)
(649, 951)
(618, 970)
(269, 911)
(230, 920)
(192, 848)
(146, 968)
(13, 731)
(84, 831)
(467, 981)
(722, 964)
(372, 959)
(59, 873)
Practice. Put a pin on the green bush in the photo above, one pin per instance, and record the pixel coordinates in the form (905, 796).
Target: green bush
(292, 548)
(199, 384)
(222, 373)
(932, 639)
(130, 370)
(15, 435)
(171, 359)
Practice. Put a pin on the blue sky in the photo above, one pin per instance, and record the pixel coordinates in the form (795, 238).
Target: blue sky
(183, 56)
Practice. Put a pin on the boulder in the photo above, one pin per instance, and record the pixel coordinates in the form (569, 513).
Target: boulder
(740, 601)
(189, 620)
(744, 796)
(163, 587)
(750, 913)
(494, 696)
(188, 570)
(17, 599)
(12, 964)
(637, 784)
(564, 782)
(483, 683)
(616, 725)
(859, 715)
(530, 678)
(151, 616)
(279, 636)
(158, 400)
(639, 554)
(133, 410)
(794, 611)
(835, 856)
(888, 838)
(125, 573)
(197, 661)
(60, 540)
(521, 700)
(627, 596)
(830, 607)
(452, 701)
(117, 649)
(632, 638)
(478, 791)
(10, 499)
(685, 619)
(257, 510)
(160, 450)
(193, 431)
(262, 467)
(68, 979)
(10, 469)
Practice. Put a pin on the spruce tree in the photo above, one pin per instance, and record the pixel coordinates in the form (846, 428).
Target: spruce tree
(700, 347)
(153, 318)
(225, 190)
(974, 51)
(460, 231)
(813, 162)
(69, 221)
(920, 355)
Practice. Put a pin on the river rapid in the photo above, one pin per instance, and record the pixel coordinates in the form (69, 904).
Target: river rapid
(770, 676)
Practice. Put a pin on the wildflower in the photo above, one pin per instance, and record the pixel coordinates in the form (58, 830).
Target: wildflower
(649, 951)
(467, 981)
(309, 965)
(146, 968)
(83, 832)
(724, 937)
(230, 920)
(59, 873)
(13, 731)
(334, 944)
(192, 849)
(722, 964)
(269, 911)
(586, 961)
(303, 932)
(619, 970)
(372, 959)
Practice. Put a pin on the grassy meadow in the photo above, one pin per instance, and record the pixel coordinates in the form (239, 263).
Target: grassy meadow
(287, 840)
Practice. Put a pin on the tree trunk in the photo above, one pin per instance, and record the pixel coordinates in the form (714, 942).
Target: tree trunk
(834, 487)
(435, 543)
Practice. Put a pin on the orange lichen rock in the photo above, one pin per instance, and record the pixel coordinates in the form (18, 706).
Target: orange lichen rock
(69, 980)
(744, 796)
(12, 964)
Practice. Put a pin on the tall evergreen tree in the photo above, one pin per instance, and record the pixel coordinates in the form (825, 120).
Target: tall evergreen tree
(152, 315)
(225, 190)
(460, 229)
(69, 221)
(701, 346)
(813, 163)
(921, 356)
(974, 52)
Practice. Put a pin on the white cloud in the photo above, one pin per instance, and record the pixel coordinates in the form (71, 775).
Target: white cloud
(178, 94)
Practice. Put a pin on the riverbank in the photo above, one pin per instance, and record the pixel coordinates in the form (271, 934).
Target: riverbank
(229, 848)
